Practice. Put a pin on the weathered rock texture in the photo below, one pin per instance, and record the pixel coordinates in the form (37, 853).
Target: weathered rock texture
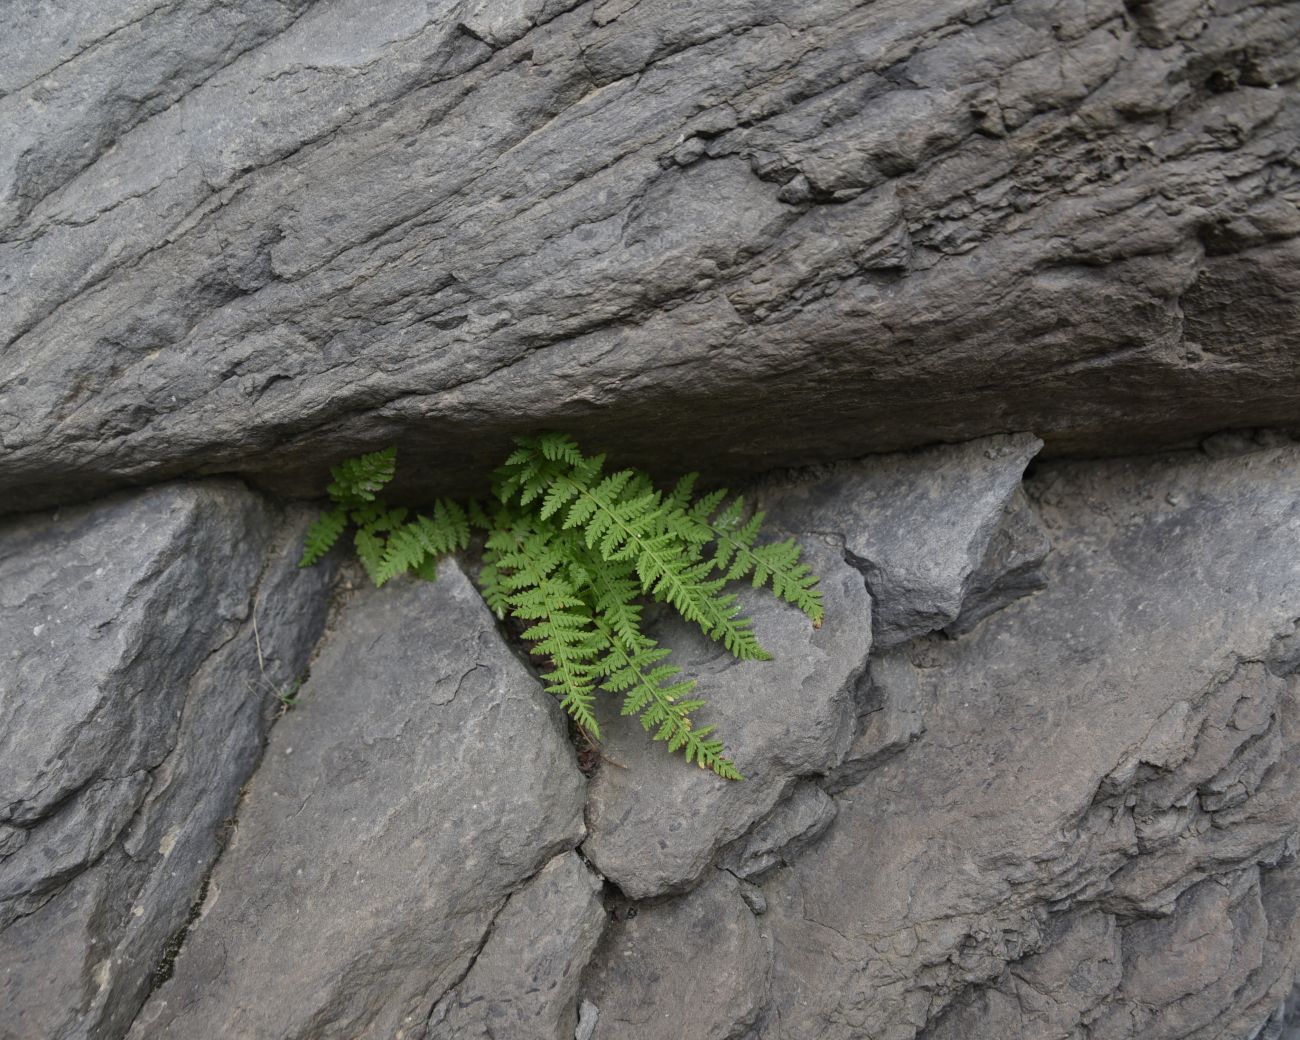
(951, 499)
(1095, 833)
(695, 966)
(423, 779)
(142, 644)
(782, 719)
(252, 238)
(524, 982)
(1066, 807)
(1038, 774)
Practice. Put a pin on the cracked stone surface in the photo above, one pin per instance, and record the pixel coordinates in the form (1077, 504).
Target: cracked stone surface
(1206, 970)
(655, 826)
(794, 824)
(135, 694)
(1094, 831)
(421, 779)
(635, 220)
(1012, 566)
(524, 983)
(921, 526)
(695, 966)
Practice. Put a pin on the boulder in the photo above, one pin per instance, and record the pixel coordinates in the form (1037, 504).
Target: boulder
(1012, 566)
(1096, 830)
(422, 778)
(256, 238)
(921, 527)
(145, 642)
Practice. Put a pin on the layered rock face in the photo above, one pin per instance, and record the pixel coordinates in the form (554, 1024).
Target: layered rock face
(146, 644)
(1035, 776)
(963, 294)
(253, 237)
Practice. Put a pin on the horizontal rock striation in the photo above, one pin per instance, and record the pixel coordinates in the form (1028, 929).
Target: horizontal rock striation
(256, 239)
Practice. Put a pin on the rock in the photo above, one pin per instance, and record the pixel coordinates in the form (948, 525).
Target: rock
(830, 231)
(588, 1017)
(920, 526)
(422, 778)
(1103, 797)
(1193, 975)
(524, 982)
(1011, 568)
(790, 828)
(655, 826)
(144, 640)
(892, 715)
(696, 966)
(1286, 1020)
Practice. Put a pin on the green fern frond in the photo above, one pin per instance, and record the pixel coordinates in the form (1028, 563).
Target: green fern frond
(775, 564)
(360, 479)
(562, 630)
(412, 545)
(662, 540)
(659, 699)
(572, 552)
(322, 534)
(370, 551)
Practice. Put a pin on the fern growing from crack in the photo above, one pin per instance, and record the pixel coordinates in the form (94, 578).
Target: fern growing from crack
(572, 552)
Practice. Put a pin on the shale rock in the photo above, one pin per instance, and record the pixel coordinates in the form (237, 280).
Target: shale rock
(422, 778)
(921, 527)
(656, 826)
(524, 982)
(255, 237)
(1011, 568)
(144, 639)
(794, 824)
(1193, 975)
(695, 966)
(1095, 833)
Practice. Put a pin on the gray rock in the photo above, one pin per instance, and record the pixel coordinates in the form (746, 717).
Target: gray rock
(655, 826)
(1286, 1020)
(588, 1017)
(859, 228)
(143, 639)
(695, 966)
(1118, 754)
(790, 828)
(893, 706)
(1012, 566)
(919, 525)
(1200, 973)
(421, 779)
(524, 982)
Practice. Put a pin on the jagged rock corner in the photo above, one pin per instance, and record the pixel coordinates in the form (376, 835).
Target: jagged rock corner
(994, 305)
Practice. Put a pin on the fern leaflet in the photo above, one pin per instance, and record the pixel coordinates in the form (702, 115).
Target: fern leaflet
(775, 564)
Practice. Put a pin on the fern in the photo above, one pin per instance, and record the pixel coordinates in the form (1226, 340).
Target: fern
(416, 546)
(322, 534)
(775, 564)
(359, 480)
(624, 521)
(536, 590)
(572, 552)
